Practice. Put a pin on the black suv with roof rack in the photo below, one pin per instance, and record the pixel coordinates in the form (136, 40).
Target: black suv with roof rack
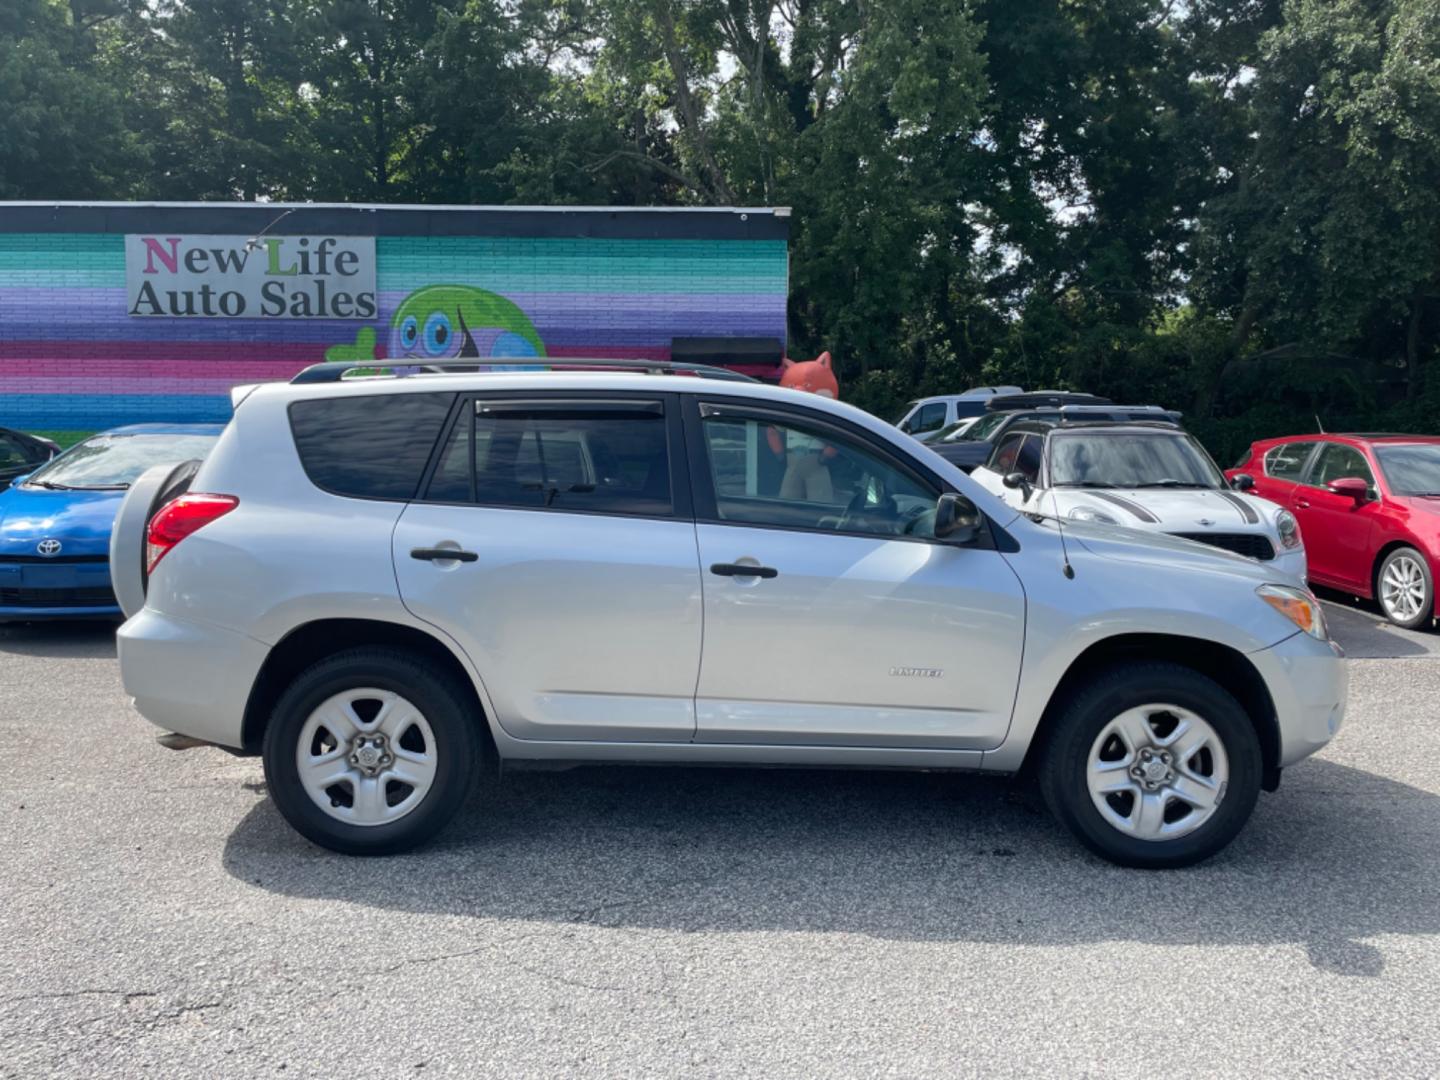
(971, 447)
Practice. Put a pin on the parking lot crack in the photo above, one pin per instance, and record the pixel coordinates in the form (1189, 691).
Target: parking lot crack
(61, 995)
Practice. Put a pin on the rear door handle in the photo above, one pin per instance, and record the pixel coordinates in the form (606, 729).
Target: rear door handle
(443, 555)
(730, 569)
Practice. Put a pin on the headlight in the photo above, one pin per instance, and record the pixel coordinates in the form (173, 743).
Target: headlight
(1298, 606)
(1089, 513)
(1288, 528)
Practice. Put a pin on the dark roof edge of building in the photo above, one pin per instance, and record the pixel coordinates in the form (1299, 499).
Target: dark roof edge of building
(383, 219)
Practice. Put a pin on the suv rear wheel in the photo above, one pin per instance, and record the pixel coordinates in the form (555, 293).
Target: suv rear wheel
(371, 751)
(1152, 765)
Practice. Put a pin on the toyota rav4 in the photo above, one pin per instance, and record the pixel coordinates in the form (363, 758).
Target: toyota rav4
(381, 583)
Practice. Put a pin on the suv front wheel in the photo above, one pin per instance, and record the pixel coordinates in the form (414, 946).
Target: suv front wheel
(371, 751)
(1152, 765)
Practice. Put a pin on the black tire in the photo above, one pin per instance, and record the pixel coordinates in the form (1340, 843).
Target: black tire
(1065, 757)
(446, 707)
(1427, 605)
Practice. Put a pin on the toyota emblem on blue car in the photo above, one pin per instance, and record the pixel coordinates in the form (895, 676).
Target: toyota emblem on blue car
(48, 547)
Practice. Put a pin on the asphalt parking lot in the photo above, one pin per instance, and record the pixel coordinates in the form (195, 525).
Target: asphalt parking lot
(157, 917)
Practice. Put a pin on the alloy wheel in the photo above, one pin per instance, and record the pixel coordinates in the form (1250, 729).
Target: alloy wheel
(1157, 772)
(366, 756)
(1402, 588)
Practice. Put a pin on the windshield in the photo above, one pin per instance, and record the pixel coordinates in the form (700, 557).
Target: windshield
(1411, 470)
(950, 429)
(115, 461)
(981, 429)
(909, 408)
(1131, 461)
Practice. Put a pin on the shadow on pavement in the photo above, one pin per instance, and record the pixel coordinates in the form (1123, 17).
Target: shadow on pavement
(1365, 634)
(87, 639)
(1336, 856)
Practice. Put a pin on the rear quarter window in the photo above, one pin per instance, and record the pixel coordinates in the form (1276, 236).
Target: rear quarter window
(370, 447)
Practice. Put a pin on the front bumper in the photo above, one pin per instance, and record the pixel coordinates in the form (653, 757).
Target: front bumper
(56, 589)
(1308, 682)
(36, 613)
(1290, 562)
(188, 677)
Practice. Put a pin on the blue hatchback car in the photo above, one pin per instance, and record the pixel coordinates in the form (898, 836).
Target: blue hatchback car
(55, 523)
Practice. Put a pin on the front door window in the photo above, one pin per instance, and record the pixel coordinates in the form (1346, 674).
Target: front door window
(789, 474)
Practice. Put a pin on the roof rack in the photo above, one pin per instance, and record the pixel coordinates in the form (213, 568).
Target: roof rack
(1042, 399)
(1092, 410)
(335, 371)
(1159, 423)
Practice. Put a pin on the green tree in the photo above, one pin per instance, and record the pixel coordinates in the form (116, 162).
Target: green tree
(62, 131)
(1326, 252)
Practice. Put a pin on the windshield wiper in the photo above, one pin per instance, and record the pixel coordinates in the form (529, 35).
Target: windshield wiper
(1083, 484)
(1171, 484)
(48, 485)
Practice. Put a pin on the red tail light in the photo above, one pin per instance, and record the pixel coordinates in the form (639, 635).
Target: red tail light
(179, 518)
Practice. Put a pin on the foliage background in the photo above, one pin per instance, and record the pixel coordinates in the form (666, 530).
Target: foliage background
(1231, 207)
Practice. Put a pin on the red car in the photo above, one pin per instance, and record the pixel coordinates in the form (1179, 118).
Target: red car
(1369, 512)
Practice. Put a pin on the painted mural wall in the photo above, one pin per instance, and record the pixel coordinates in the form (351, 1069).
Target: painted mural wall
(84, 345)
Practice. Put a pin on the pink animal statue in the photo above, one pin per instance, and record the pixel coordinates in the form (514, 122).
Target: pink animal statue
(813, 376)
(807, 472)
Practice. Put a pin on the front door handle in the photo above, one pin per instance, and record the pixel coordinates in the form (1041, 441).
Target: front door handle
(730, 569)
(1303, 504)
(443, 555)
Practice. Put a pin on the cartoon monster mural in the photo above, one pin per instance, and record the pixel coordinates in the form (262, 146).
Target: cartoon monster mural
(450, 322)
(444, 322)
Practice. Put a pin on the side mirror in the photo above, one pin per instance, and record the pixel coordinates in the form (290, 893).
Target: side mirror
(19, 480)
(1352, 486)
(1016, 480)
(1242, 481)
(956, 519)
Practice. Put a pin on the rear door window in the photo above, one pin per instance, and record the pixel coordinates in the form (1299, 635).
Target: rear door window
(609, 457)
(368, 447)
(1287, 461)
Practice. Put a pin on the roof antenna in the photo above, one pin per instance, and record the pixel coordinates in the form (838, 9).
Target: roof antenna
(1069, 570)
(1318, 425)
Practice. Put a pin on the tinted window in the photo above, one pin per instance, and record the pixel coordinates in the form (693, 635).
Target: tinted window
(116, 461)
(1287, 462)
(1027, 463)
(13, 452)
(602, 456)
(1006, 453)
(902, 423)
(372, 447)
(785, 473)
(930, 417)
(1336, 461)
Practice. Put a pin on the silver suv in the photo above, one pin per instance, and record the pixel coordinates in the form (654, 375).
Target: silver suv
(382, 583)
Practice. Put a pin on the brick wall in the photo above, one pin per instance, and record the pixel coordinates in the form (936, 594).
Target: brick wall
(607, 285)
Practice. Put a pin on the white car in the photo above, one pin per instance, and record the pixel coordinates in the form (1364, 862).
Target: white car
(1149, 476)
(925, 416)
(383, 584)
